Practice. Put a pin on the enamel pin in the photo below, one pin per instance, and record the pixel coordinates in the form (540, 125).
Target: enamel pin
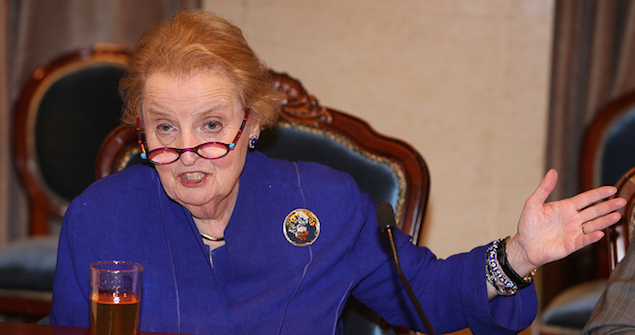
(301, 227)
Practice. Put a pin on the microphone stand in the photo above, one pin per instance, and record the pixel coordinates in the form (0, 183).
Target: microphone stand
(389, 230)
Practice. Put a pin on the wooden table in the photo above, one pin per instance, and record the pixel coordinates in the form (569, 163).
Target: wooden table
(7, 328)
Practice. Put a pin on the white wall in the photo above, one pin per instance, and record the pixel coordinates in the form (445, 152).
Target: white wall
(465, 82)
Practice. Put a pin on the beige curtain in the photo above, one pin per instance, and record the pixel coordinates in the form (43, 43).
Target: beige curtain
(41, 30)
(594, 45)
(593, 62)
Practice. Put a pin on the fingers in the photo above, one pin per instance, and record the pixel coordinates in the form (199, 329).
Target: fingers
(546, 186)
(587, 198)
(603, 209)
(600, 215)
(589, 238)
(600, 223)
(594, 229)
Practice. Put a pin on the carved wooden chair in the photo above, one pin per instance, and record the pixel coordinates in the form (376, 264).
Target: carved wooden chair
(606, 156)
(63, 114)
(618, 237)
(386, 168)
(607, 159)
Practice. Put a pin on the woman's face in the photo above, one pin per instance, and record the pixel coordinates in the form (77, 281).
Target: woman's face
(183, 112)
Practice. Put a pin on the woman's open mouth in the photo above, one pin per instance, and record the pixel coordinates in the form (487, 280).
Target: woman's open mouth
(193, 179)
(194, 176)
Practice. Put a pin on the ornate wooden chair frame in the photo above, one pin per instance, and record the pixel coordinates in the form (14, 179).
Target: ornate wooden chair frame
(303, 110)
(34, 258)
(43, 201)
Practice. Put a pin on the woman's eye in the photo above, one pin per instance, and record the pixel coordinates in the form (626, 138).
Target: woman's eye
(213, 125)
(164, 127)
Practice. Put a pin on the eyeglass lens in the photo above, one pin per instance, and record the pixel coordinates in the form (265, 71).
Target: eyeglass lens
(210, 150)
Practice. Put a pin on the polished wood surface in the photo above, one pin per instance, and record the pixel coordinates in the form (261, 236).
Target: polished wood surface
(30, 306)
(7, 328)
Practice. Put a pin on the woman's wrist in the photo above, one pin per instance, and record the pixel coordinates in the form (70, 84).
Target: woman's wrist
(508, 269)
(517, 258)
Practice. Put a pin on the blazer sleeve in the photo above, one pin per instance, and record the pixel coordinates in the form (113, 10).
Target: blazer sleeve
(452, 291)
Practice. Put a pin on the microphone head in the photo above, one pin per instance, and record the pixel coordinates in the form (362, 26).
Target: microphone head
(386, 217)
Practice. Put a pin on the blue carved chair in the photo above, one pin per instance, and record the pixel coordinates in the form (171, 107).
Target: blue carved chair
(607, 155)
(386, 168)
(63, 114)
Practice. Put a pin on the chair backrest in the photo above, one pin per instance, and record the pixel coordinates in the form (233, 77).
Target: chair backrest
(386, 168)
(620, 234)
(608, 143)
(605, 156)
(63, 114)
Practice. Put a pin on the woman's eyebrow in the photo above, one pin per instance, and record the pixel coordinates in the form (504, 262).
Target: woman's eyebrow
(216, 109)
(157, 113)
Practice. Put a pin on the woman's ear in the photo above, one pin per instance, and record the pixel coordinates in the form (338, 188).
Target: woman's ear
(254, 131)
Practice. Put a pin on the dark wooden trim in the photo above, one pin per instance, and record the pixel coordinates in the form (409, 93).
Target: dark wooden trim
(25, 307)
(119, 140)
(618, 234)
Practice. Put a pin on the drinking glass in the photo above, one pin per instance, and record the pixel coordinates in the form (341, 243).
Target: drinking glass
(115, 293)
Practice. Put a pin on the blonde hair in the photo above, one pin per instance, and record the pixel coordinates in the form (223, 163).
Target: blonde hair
(197, 40)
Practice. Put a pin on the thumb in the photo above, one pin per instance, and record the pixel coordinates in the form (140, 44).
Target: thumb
(546, 186)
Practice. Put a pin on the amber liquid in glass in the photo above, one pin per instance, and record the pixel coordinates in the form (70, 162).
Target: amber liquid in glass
(114, 314)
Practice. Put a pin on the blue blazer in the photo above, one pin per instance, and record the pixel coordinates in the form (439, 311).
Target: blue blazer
(259, 282)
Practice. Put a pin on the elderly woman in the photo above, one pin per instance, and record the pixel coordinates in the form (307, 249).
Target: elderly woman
(205, 218)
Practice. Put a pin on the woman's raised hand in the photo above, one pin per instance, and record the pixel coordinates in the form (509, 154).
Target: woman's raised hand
(551, 231)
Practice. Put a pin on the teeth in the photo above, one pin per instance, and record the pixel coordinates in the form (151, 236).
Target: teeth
(194, 176)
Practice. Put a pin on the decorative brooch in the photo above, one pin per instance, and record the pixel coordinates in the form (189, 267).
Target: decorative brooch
(301, 227)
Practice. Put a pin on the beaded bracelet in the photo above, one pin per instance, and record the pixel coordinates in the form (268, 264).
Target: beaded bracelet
(521, 282)
(495, 276)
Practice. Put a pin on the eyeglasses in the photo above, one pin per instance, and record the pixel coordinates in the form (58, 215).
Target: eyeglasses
(209, 150)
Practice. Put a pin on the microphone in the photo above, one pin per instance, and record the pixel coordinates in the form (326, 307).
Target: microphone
(386, 220)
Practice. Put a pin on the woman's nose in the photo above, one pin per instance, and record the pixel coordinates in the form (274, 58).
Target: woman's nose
(189, 157)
